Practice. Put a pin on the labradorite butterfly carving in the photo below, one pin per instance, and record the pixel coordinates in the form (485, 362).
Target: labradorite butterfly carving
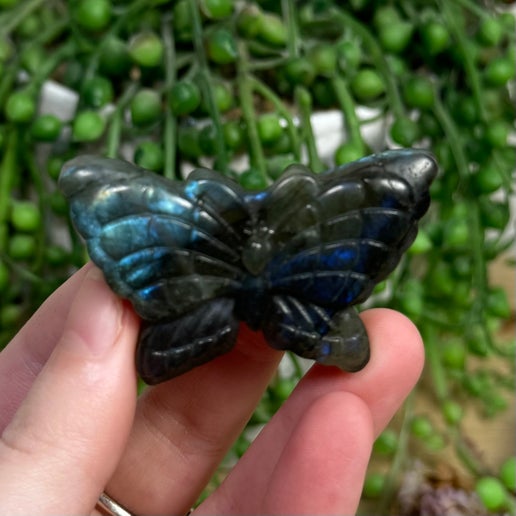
(198, 257)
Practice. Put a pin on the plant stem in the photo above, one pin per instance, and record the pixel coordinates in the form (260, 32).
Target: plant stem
(298, 370)
(378, 58)
(170, 129)
(267, 64)
(476, 231)
(8, 169)
(289, 14)
(304, 101)
(472, 71)
(23, 273)
(114, 29)
(55, 59)
(256, 156)
(116, 121)
(18, 15)
(476, 9)
(436, 369)
(399, 457)
(449, 14)
(452, 134)
(207, 91)
(49, 33)
(37, 182)
(7, 81)
(280, 107)
(466, 454)
(347, 106)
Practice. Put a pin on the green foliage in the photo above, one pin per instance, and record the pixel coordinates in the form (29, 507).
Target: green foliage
(189, 82)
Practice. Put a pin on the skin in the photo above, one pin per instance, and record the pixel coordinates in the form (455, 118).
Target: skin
(70, 430)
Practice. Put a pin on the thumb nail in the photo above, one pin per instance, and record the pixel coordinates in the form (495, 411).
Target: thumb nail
(95, 317)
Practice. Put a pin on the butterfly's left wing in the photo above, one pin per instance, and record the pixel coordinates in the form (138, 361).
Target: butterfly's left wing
(171, 248)
(335, 236)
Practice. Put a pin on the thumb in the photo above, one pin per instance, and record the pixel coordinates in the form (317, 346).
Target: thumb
(65, 440)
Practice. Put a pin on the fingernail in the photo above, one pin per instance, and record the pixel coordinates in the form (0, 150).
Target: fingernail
(96, 314)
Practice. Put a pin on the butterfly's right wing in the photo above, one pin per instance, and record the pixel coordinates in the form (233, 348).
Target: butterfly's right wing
(335, 237)
(168, 247)
(330, 337)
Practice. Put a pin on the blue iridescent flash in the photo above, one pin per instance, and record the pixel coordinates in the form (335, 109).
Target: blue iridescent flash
(196, 258)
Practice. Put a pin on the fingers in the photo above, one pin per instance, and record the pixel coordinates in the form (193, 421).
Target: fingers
(323, 465)
(396, 363)
(397, 358)
(319, 469)
(64, 441)
(184, 427)
(22, 360)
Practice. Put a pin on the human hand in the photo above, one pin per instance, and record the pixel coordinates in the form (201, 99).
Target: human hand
(72, 426)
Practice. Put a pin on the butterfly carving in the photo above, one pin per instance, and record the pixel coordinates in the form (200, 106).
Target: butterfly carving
(198, 257)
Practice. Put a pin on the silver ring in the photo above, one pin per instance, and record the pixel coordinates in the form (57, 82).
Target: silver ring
(109, 507)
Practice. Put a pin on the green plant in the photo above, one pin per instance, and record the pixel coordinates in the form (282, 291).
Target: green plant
(183, 83)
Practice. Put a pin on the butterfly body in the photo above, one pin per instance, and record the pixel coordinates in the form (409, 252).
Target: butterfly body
(198, 257)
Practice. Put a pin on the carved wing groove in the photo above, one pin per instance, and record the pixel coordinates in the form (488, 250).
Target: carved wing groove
(197, 257)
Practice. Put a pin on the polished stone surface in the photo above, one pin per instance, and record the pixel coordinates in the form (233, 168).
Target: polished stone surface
(196, 258)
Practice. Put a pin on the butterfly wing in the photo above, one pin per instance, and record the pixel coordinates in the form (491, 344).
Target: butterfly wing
(174, 347)
(166, 246)
(336, 235)
(318, 333)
